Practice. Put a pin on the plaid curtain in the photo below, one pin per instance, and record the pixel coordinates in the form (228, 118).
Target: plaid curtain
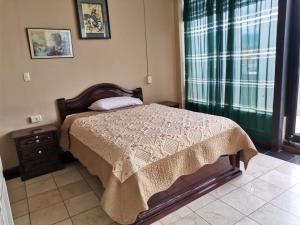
(230, 49)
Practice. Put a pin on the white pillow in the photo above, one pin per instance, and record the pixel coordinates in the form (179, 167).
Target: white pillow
(114, 103)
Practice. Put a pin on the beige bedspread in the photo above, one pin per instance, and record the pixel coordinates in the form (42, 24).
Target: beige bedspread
(143, 150)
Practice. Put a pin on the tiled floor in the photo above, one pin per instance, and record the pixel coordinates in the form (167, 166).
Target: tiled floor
(281, 154)
(268, 193)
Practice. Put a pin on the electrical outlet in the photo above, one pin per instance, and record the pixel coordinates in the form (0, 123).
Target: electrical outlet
(35, 118)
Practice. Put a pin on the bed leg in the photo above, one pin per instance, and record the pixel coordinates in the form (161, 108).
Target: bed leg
(235, 160)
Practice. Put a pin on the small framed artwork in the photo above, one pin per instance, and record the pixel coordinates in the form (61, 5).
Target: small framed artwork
(50, 43)
(93, 19)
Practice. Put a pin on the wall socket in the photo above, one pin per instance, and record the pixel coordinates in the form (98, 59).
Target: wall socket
(35, 118)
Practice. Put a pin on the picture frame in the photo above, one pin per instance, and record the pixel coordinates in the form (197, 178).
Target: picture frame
(45, 43)
(93, 19)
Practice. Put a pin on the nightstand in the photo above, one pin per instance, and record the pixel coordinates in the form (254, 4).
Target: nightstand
(169, 103)
(38, 150)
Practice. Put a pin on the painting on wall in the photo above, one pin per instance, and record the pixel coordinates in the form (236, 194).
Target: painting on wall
(50, 43)
(93, 19)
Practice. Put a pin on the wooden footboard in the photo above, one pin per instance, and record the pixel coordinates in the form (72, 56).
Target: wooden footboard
(190, 187)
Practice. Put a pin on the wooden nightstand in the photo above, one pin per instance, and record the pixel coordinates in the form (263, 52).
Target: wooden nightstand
(169, 103)
(37, 150)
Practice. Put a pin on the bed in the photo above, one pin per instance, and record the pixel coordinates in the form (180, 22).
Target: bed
(140, 187)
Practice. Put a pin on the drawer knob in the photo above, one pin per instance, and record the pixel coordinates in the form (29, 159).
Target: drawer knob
(37, 141)
(40, 152)
(36, 137)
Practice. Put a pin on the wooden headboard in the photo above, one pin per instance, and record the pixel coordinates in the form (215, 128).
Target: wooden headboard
(86, 98)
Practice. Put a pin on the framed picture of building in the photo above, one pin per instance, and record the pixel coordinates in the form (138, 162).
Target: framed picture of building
(93, 19)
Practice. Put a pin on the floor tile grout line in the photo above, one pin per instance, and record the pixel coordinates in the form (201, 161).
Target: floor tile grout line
(283, 190)
(232, 207)
(284, 209)
(62, 200)
(244, 218)
(29, 214)
(70, 217)
(216, 198)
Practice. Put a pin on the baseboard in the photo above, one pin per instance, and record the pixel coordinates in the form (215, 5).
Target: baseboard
(262, 144)
(291, 149)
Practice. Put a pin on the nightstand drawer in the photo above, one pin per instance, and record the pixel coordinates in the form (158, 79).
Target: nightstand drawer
(37, 152)
(36, 140)
(40, 164)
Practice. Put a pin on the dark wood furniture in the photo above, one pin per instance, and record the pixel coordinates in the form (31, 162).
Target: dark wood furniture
(186, 188)
(85, 99)
(169, 103)
(38, 150)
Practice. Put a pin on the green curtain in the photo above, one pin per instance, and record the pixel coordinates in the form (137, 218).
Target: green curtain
(230, 49)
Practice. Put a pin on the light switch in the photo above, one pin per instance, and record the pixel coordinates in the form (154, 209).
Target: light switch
(26, 76)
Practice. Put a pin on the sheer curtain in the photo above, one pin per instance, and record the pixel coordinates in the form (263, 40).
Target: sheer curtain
(230, 49)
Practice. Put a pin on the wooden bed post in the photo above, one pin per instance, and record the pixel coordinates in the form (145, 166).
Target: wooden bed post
(235, 160)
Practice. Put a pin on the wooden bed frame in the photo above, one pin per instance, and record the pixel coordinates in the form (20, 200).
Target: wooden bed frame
(186, 188)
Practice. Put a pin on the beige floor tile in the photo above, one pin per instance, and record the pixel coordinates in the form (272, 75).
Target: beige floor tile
(218, 213)
(84, 172)
(14, 183)
(290, 169)
(82, 203)
(38, 179)
(296, 189)
(184, 211)
(94, 216)
(99, 192)
(17, 194)
(94, 183)
(19, 208)
(267, 161)
(288, 201)
(271, 215)
(223, 190)
(68, 178)
(243, 201)
(50, 215)
(279, 179)
(177, 215)
(23, 220)
(40, 187)
(68, 169)
(200, 202)
(246, 221)
(241, 180)
(191, 219)
(44, 200)
(262, 189)
(256, 170)
(156, 223)
(170, 219)
(65, 222)
(74, 189)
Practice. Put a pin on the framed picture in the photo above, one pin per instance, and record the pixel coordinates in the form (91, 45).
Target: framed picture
(93, 19)
(50, 43)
